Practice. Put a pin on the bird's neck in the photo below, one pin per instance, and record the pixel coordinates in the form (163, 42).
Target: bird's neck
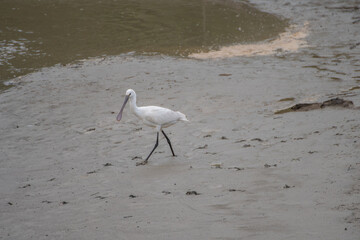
(133, 106)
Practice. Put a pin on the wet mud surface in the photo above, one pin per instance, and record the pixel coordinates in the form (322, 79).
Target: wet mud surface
(68, 168)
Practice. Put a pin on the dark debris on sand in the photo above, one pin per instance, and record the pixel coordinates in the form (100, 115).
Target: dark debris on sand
(334, 102)
(192, 193)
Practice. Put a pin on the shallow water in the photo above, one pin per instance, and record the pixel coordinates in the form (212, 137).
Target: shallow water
(42, 33)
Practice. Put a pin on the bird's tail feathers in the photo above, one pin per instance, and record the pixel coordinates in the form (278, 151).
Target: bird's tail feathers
(183, 117)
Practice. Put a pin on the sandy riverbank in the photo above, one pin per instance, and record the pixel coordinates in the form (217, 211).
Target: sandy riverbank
(67, 168)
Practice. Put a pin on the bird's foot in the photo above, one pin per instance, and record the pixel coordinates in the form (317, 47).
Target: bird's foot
(141, 163)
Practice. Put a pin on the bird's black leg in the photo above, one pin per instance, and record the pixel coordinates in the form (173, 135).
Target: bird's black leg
(168, 140)
(156, 144)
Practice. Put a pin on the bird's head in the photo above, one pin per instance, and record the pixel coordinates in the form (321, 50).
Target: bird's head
(129, 94)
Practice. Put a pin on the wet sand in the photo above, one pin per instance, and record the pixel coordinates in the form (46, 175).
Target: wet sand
(67, 168)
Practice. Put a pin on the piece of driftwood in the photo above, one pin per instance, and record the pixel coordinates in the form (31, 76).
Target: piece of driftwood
(334, 102)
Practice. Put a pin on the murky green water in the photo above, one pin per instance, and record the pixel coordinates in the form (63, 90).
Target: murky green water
(41, 33)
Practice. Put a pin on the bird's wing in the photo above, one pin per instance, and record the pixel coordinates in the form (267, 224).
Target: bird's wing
(160, 116)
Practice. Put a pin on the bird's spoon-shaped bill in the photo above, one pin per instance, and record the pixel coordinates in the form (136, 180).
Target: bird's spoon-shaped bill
(119, 116)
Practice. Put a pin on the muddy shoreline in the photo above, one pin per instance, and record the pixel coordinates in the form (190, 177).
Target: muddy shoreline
(67, 167)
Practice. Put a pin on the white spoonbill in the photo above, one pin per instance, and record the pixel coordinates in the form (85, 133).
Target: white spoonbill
(152, 116)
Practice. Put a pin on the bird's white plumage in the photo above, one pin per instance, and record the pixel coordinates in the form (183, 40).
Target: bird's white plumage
(153, 116)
